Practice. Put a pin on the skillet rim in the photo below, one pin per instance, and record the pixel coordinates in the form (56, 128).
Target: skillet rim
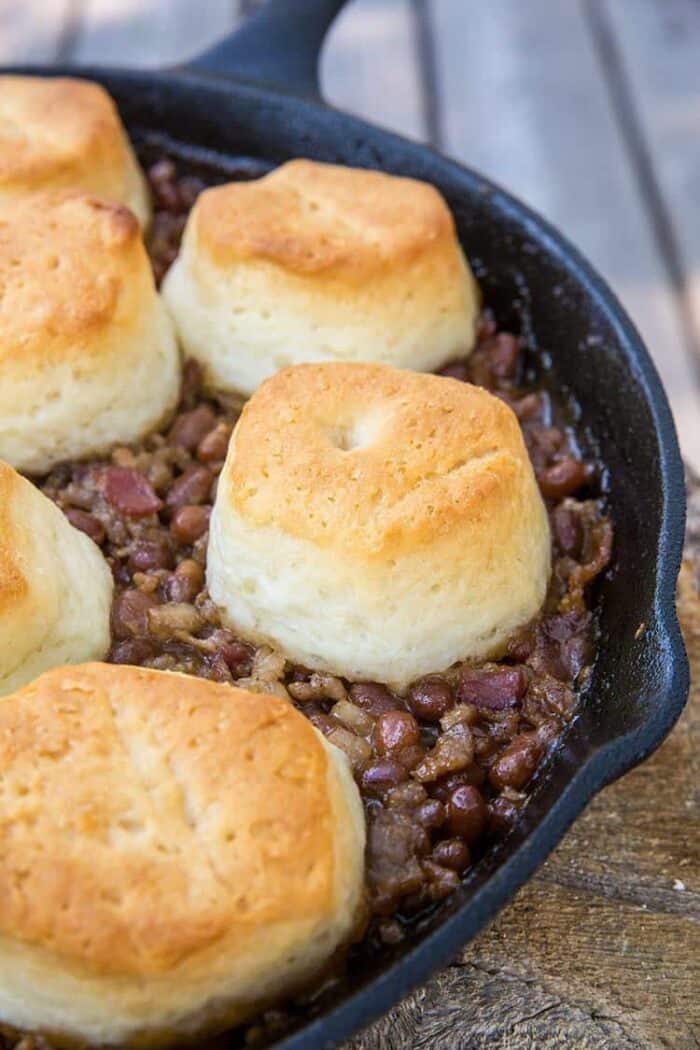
(604, 763)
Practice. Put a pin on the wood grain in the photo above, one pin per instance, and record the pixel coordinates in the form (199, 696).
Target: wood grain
(658, 44)
(370, 65)
(524, 99)
(26, 37)
(601, 949)
(150, 34)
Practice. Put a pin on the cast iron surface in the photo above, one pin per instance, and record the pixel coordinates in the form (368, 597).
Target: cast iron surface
(538, 282)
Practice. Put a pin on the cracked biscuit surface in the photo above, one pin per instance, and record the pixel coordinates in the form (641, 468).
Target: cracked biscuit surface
(176, 853)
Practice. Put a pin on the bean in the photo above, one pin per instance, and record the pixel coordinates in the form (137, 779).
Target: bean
(80, 519)
(129, 491)
(466, 813)
(191, 487)
(430, 698)
(189, 523)
(130, 613)
(381, 775)
(567, 529)
(516, 764)
(562, 478)
(189, 428)
(504, 351)
(451, 853)
(502, 815)
(151, 554)
(443, 788)
(431, 814)
(493, 688)
(214, 445)
(395, 730)
(375, 698)
(185, 583)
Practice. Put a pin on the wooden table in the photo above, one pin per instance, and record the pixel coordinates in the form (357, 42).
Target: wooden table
(589, 110)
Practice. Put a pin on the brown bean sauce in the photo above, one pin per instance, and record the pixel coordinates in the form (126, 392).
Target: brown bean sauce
(444, 770)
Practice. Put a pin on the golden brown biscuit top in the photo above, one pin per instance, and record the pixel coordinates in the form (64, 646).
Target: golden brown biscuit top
(13, 583)
(315, 219)
(371, 460)
(146, 815)
(52, 127)
(65, 260)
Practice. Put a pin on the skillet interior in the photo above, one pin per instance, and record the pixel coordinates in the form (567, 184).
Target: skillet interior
(535, 281)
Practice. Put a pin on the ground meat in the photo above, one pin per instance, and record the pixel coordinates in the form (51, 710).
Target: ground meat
(444, 769)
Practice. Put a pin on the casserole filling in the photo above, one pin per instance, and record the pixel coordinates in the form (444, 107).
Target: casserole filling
(444, 769)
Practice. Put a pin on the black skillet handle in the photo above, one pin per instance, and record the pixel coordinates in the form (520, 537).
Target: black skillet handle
(278, 46)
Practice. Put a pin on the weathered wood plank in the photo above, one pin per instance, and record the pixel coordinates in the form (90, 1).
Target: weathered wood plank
(33, 31)
(370, 65)
(525, 101)
(150, 33)
(600, 950)
(659, 43)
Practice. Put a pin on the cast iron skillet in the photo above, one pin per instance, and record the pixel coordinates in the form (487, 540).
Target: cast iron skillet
(256, 95)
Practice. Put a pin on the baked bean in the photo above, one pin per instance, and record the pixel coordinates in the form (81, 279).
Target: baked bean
(214, 445)
(562, 478)
(80, 519)
(395, 730)
(430, 698)
(188, 523)
(516, 764)
(431, 813)
(504, 353)
(473, 775)
(451, 853)
(502, 815)
(466, 813)
(151, 554)
(375, 698)
(378, 777)
(185, 583)
(130, 613)
(567, 528)
(129, 491)
(191, 487)
(492, 687)
(189, 428)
